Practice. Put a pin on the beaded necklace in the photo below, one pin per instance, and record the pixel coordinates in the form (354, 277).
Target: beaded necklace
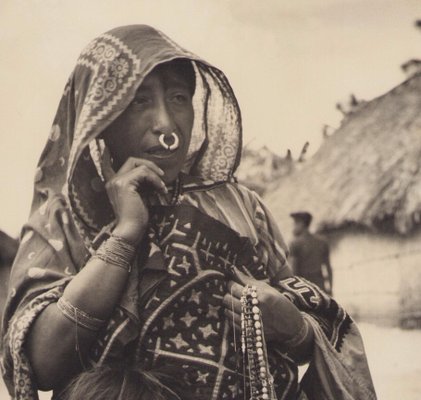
(177, 195)
(253, 347)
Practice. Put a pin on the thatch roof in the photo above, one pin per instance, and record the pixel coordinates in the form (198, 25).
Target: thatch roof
(368, 173)
(259, 168)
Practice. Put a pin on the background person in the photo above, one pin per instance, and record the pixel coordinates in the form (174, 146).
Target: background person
(309, 253)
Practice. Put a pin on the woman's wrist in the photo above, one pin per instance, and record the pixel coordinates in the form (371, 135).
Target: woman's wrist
(132, 233)
(300, 346)
(116, 251)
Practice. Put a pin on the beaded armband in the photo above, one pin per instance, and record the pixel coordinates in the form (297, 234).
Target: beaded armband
(79, 317)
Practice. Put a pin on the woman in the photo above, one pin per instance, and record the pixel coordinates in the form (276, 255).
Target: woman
(143, 251)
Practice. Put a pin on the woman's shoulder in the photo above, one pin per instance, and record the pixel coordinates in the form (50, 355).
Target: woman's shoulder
(48, 207)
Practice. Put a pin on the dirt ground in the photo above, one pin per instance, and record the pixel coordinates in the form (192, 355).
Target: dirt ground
(394, 356)
(395, 360)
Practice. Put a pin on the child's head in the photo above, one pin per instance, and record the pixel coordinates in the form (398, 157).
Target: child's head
(120, 383)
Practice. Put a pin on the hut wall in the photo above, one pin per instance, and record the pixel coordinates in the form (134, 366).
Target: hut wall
(377, 277)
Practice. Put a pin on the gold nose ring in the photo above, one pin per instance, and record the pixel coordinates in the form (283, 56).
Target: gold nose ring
(172, 146)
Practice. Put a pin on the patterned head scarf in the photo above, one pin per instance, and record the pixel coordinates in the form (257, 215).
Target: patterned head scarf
(103, 83)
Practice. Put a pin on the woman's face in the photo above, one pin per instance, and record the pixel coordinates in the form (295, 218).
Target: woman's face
(162, 105)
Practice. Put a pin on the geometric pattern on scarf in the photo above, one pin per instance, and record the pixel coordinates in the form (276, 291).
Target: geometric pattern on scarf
(102, 85)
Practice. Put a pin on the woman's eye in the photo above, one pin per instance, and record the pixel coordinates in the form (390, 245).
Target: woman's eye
(180, 98)
(141, 100)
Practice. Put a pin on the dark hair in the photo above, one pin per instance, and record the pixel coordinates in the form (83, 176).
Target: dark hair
(184, 68)
(121, 383)
(303, 216)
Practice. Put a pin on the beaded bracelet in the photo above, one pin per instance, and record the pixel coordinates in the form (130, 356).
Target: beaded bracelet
(254, 347)
(78, 316)
(116, 251)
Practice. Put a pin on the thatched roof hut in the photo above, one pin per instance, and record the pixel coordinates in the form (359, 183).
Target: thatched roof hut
(368, 172)
(260, 168)
(363, 187)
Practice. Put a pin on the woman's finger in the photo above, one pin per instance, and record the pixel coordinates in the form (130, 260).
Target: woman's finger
(144, 174)
(134, 162)
(107, 168)
(233, 318)
(243, 279)
(235, 289)
(232, 303)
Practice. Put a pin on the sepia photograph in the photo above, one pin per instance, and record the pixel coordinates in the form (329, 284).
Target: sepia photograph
(210, 200)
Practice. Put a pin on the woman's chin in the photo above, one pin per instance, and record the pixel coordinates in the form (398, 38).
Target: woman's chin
(170, 175)
(171, 167)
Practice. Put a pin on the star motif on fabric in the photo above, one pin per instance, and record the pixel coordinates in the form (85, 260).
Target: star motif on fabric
(195, 297)
(206, 350)
(179, 342)
(207, 330)
(207, 252)
(202, 377)
(185, 264)
(188, 319)
(225, 261)
(213, 311)
(168, 322)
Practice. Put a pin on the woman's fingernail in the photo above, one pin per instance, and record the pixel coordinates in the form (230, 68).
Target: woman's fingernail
(161, 172)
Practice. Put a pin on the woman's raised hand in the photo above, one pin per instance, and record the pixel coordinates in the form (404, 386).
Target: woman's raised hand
(281, 319)
(124, 188)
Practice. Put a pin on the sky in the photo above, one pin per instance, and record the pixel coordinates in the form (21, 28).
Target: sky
(289, 63)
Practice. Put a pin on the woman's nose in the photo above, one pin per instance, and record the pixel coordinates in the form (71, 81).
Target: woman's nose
(162, 120)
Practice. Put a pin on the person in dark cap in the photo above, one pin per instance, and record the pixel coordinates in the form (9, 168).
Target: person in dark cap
(310, 253)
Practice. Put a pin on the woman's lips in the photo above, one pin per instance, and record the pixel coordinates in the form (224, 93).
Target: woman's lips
(160, 152)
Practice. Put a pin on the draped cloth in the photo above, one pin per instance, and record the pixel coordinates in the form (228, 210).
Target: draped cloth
(171, 311)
